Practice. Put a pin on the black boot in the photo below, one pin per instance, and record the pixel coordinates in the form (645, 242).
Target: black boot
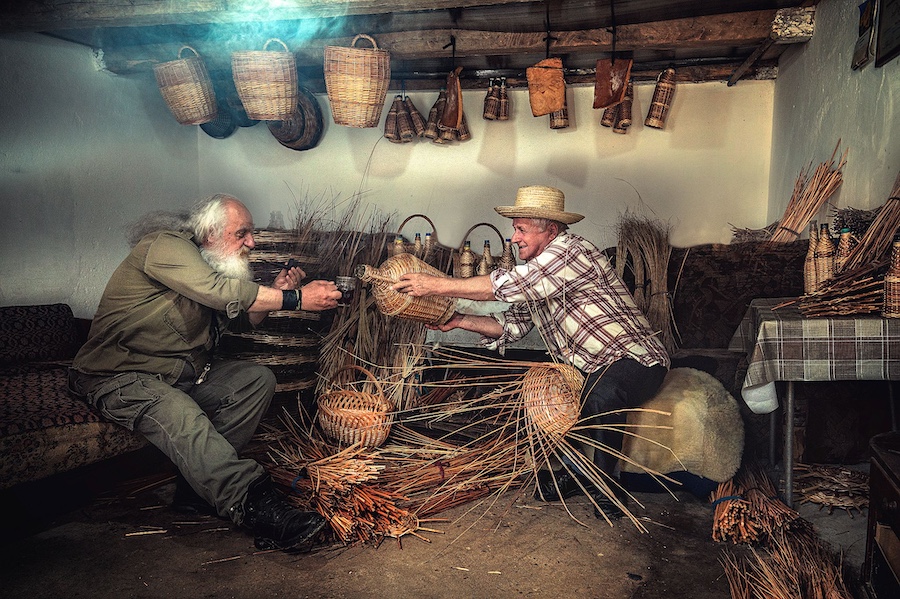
(612, 511)
(274, 522)
(187, 501)
(568, 486)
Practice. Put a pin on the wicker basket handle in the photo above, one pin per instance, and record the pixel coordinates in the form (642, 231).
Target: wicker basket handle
(476, 225)
(368, 374)
(412, 216)
(368, 37)
(275, 39)
(183, 48)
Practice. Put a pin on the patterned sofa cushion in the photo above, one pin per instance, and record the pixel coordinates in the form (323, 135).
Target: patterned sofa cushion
(37, 333)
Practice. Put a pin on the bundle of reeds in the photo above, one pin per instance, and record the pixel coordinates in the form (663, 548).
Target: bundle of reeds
(644, 245)
(832, 487)
(855, 219)
(809, 196)
(739, 235)
(857, 291)
(875, 243)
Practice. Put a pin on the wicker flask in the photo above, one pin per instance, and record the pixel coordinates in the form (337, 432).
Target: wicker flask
(417, 246)
(492, 102)
(824, 256)
(845, 246)
(504, 101)
(466, 261)
(431, 310)
(891, 307)
(507, 259)
(486, 262)
(661, 100)
(809, 263)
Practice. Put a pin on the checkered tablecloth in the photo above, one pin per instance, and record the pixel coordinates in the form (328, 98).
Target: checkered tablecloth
(784, 345)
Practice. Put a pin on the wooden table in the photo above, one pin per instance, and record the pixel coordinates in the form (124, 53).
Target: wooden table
(784, 345)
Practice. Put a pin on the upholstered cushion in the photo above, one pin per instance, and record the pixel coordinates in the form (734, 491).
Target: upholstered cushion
(37, 333)
(45, 430)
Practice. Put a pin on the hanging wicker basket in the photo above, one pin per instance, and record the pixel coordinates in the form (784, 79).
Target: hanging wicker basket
(363, 415)
(186, 88)
(266, 82)
(356, 80)
(552, 397)
(457, 253)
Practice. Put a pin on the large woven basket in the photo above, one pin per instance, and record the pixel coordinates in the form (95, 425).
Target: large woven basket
(356, 80)
(552, 398)
(459, 270)
(429, 310)
(266, 82)
(186, 88)
(351, 416)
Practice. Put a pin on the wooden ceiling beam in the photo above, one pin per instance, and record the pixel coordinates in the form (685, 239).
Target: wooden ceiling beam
(49, 15)
(739, 29)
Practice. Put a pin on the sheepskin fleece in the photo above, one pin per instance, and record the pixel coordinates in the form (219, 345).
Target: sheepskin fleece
(704, 431)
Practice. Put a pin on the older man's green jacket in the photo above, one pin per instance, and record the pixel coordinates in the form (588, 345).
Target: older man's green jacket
(162, 309)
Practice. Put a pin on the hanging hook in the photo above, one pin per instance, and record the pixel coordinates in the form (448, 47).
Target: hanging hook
(453, 55)
(548, 38)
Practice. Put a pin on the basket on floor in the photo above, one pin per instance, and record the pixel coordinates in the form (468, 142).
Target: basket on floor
(432, 310)
(356, 80)
(351, 416)
(266, 82)
(552, 398)
(186, 88)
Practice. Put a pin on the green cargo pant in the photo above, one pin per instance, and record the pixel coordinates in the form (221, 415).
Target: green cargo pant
(201, 428)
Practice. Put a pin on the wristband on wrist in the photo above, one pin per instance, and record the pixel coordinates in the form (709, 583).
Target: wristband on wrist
(290, 299)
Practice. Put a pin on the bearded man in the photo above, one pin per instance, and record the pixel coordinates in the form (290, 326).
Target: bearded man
(148, 363)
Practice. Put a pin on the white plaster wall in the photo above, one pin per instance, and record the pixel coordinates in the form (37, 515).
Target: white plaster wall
(708, 169)
(819, 100)
(82, 153)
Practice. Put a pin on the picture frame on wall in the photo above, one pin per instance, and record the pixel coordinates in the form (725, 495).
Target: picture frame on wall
(888, 46)
(864, 49)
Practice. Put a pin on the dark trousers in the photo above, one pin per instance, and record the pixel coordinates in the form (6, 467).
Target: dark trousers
(623, 384)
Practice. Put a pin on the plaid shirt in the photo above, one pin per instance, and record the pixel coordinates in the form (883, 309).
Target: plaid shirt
(583, 311)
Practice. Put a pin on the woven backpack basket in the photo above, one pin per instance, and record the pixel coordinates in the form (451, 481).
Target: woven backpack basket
(356, 80)
(266, 82)
(186, 88)
(359, 414)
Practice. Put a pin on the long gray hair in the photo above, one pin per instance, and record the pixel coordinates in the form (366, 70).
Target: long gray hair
(205, 219)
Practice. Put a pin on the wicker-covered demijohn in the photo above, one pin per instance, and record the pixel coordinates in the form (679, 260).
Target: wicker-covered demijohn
(186, 88)
(357, 412)
(356, 80)
(266, 82)
(552, 398)
(429, 310)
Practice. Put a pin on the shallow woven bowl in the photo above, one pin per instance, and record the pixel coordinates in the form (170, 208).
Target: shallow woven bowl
(552, 397)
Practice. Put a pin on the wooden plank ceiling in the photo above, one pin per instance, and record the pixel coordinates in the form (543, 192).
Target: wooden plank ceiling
(704, 40)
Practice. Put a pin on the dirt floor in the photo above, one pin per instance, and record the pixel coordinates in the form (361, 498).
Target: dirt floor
(95, 536)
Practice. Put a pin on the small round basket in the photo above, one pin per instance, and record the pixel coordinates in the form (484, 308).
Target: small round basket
(351, 416)
(552, 397)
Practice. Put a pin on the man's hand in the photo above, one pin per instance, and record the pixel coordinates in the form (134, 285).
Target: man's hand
(320, 295)
(289, 278)
(451, 324)
(416, 284)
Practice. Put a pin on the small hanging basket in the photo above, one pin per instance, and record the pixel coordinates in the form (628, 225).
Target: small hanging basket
(351, 416)
(356, 80)
(457, 253)
(266, 82)
(186, 88)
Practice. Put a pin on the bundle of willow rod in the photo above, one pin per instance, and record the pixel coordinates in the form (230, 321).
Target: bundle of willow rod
(645, 245)
(832, 487)
(855, 219)
(747, 509)
(739, 235)
(809, 196)
(857, 291)
(875, 243)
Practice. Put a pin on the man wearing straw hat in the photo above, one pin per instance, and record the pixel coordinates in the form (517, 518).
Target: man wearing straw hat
(586, 315)
(148, 361)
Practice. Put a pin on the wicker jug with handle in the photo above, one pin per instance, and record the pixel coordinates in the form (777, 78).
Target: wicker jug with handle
(428, 310)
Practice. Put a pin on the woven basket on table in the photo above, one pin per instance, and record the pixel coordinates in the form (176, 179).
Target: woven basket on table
(356, 80)
(431, 310)
(351, 416)
(435, 254)
(478, 249)
(266, 82)
(186, 88)
(552, 398)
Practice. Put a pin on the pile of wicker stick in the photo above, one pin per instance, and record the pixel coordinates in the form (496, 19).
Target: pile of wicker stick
(832, 487)
(789, 560)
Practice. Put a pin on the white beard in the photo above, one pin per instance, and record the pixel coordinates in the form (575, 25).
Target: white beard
(236, 266)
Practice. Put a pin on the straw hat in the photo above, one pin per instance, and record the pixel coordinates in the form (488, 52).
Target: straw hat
(537, 201)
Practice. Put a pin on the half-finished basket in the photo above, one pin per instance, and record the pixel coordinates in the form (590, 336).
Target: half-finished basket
(552, 397)
(361, 415)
